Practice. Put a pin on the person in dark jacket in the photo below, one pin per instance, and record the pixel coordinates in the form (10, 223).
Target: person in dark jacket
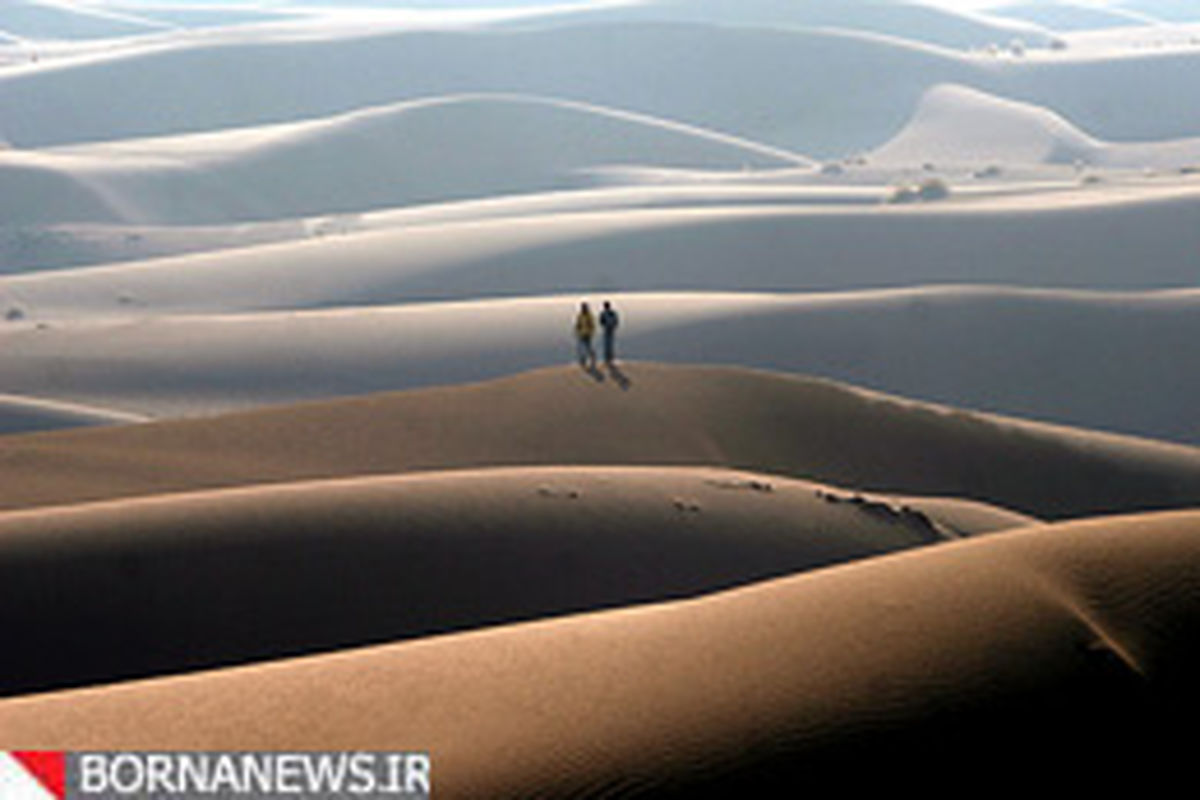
(609, 321)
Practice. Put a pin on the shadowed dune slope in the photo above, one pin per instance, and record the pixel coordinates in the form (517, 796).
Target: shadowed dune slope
(1005, 654)
(29, 414)
(178, 583)
(648, 415)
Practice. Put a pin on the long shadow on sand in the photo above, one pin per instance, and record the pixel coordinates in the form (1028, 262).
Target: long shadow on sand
(619, 376)
(611, 370)
(593, 372)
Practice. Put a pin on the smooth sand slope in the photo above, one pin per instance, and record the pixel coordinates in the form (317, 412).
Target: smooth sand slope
(1065, 16)
(1102, 238)
(28, 414)
(437, 150)
(1112, 361)
(945, 26)
(650, 68)
(960, 125)
(182, 582)
(1167, 10)
(654, 415)
(38, 19)
(610, 188)
(1115, 362)
(1004, 655)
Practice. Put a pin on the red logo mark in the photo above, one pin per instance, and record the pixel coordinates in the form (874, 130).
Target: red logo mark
(48, 766)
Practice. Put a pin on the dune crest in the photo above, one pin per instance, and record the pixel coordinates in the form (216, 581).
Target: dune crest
(654, 415)
(20, 414)
(257, 573)
(424, 151)
(935, 343)
(960, 125)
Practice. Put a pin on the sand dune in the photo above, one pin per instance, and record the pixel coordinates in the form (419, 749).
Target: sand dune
(1064, 16)
(1140, 238)
(649, 68)
(1029, 354)
(199, 15)
(1112, 361)
(368, 528)
(38, 19)
(868, 84)
(63, 245)
(1134, 115)
(191, 581)
(655, 579)
(1021, 646)
(435, 150)
(1169, 10)
(958, 125)
(29, 414)
(1035, 203)
(943, 26)
(60, 246)
(743, 419)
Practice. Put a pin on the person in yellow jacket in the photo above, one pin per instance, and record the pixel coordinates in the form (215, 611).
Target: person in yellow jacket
(585, 330)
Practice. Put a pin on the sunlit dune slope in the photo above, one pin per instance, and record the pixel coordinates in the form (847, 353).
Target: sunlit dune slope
(919, 668)
(433, 150)
(646, 415)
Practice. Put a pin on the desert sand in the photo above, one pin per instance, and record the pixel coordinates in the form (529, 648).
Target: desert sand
(1007, 649)
(24, 414)
(894, 483)
(646, 415)
(1081, 358)
(257, 573)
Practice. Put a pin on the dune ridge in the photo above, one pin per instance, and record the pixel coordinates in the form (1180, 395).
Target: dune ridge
(1051, 355)
(38, 19)
(423, 151)
(664, 415)
(602, 64)
(20, 414)
(1173, 10)
(175, 583)
(1063, 16)
(778, 246)
(930, 24)
(960, 125)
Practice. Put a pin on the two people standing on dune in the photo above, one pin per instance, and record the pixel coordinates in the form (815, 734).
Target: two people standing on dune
(585, 332)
